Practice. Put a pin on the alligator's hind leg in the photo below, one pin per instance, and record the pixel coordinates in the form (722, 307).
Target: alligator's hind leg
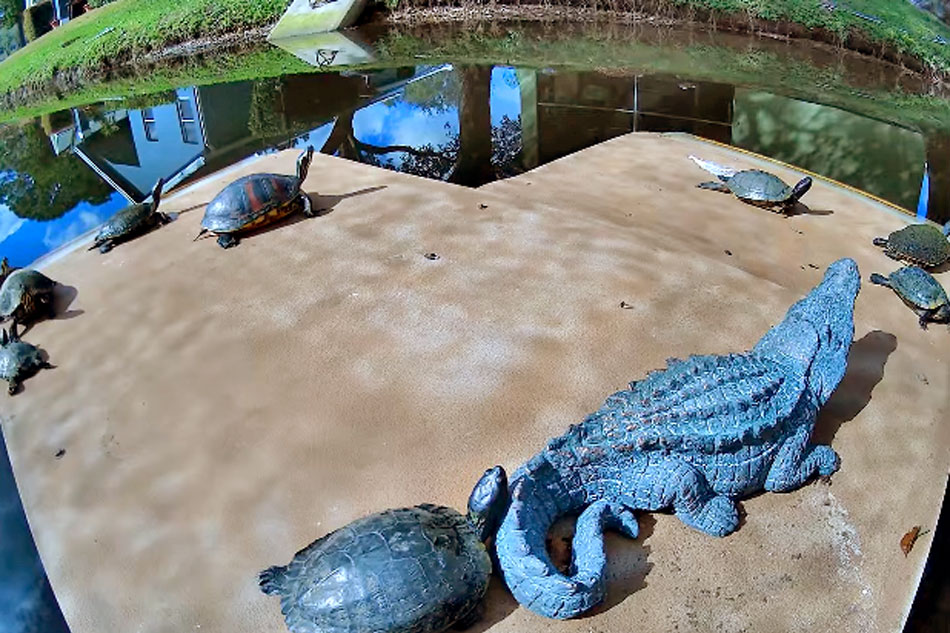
(797, 460)
(665, 482)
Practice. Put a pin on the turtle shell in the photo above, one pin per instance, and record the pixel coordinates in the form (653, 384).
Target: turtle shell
(922, 244)
(17, 359)
(758, 186)
(704, 403)
(23, 289)
(251, 201)
(918, 287)
(411, 570)
(125, 222)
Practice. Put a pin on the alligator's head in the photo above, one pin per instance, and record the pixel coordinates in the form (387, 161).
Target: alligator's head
(818, 330)
(488, 502)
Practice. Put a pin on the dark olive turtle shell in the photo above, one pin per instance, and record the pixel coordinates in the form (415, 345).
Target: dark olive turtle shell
(922, 244)
(127, 221)
(23, 293)
(248, 200)
(18, 360)
(758, 186)
(918, 287)
(411, 570)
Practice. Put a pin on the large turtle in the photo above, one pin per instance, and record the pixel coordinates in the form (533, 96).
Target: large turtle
(760, 188)
(921, 244)
(754, 185)
(131, 221)
(411, 570)
(920, 291)
(18, 360)
(25, 295)
(255, 200)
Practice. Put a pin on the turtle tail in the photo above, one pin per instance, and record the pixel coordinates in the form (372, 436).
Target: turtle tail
(96, 244)
(198, 237)
(271, 580)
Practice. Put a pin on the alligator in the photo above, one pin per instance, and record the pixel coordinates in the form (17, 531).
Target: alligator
(693, 437)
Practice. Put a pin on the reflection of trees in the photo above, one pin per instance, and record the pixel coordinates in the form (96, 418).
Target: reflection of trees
(877, 157)
(477, 154)
(37, 184)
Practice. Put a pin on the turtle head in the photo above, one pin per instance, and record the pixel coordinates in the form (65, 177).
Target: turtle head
(946, 229)
(801, 188)
(488, 502)
(4, 267)
(303, 163)
(4, 338)
(157, 192)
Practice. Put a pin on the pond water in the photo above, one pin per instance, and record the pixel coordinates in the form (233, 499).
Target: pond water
(63, 174)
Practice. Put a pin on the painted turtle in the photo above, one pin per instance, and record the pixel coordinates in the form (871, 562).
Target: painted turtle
(131, 221)
(921, 244)
(920, 291)
(411, 570)
(26, 294)
(18, 360)
(254, 201)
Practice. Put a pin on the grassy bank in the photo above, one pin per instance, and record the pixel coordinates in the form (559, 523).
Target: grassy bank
(864, 87)
(135, 31)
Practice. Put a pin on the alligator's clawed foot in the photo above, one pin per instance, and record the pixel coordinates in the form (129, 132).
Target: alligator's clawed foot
(718, 517)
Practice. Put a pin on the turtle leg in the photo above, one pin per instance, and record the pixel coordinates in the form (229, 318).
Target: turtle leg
(469, 618)
(307, 205)
(227, 240)
(925, 316)
(14, 386)
(105, 247)
(714, 186)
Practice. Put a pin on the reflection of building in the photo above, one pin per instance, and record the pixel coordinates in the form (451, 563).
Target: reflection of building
(63, 10)
(567, 111)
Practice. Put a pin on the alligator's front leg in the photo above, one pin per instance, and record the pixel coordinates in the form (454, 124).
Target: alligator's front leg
(661, 482)
(797, 460)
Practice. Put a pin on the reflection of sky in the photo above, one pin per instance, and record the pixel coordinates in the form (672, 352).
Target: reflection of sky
(505, 95)
(399, 122)
(23, 241)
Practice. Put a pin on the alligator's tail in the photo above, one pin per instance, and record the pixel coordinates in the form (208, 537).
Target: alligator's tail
(539, 497)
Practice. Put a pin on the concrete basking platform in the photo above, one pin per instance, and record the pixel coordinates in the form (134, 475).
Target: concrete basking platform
(221, 409)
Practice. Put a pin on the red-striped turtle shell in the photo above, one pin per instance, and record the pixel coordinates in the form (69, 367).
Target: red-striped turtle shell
(250, 202)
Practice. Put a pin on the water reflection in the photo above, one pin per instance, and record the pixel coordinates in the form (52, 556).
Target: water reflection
(466, 124)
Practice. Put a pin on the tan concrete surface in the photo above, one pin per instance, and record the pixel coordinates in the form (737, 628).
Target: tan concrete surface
(221, 409)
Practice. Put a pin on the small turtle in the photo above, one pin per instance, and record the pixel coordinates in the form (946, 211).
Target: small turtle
(5, 269)
(255, 200)
(760, 188)
(411, 570)
(921, 244)
(18, 360)
(131, 221)
(25, 295)
(920, 291)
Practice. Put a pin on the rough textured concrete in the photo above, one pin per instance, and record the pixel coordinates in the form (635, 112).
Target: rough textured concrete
(220, 409)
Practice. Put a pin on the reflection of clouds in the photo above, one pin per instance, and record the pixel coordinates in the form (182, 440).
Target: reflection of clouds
(402, 123)
(316, 137)
(58, 234)
(10, 223)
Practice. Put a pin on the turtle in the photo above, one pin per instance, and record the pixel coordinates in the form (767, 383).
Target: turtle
(760, 188)
(131, 221)
(18, 360)
(5, 269)
(255, 200)
(920, 291)
(408, 570)
(921, 244)
(25, 295)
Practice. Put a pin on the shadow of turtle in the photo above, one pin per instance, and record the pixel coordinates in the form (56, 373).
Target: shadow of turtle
(865, 370)
(800, 208)
(322, 205)
(497, 605)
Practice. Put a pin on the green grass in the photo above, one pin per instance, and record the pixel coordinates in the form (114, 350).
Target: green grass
(137, 27)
